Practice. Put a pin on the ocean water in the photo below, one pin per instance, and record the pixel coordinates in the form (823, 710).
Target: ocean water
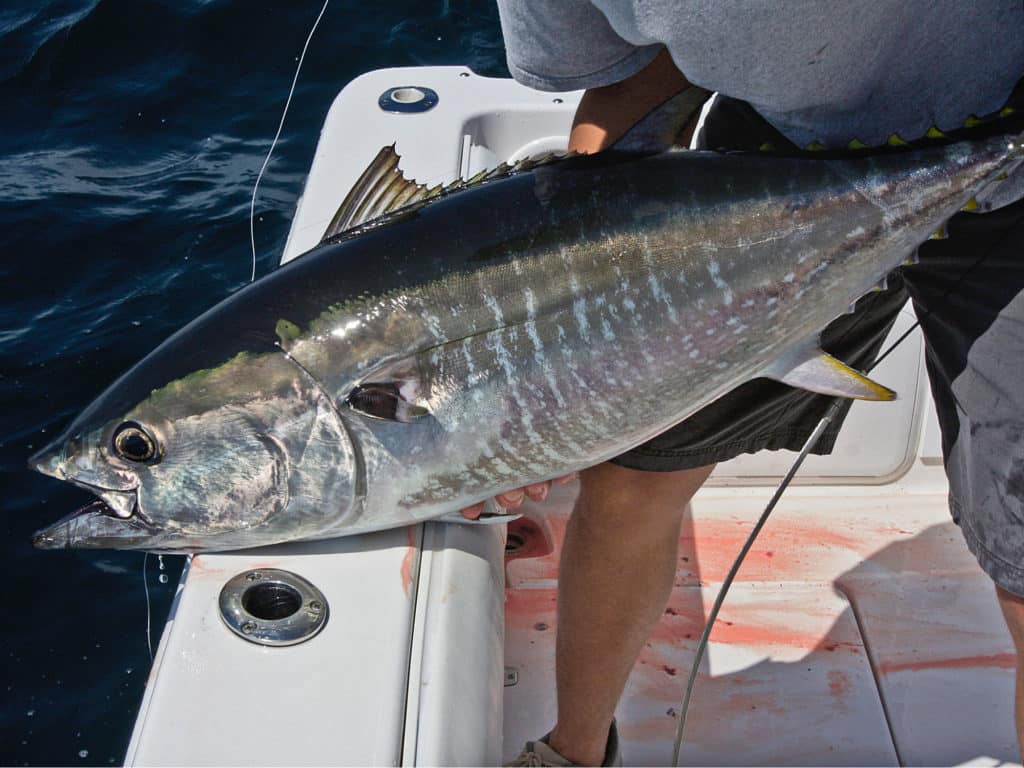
(132, 134)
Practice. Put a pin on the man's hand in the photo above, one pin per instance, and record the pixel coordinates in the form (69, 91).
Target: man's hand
(514, 499)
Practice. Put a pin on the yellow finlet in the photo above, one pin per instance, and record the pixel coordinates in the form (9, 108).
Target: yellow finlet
(876, 390)
(857, 144)
(807, 367)
(815, 146)
(935, 133)
(895, 141)
(971, 205)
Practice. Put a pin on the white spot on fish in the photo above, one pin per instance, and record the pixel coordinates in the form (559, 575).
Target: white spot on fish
(579, 308)
(538, 344)
(789, 278)
(695, 354)
(606, 330)
(531, 311)
(543, 364)
(660, 296)
(492, 303)
(716, 278)
(433, 325)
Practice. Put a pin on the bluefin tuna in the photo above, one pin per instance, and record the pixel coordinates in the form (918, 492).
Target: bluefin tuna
(440, 346)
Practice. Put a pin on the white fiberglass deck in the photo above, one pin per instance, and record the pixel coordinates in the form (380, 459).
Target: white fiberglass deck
(860, 631)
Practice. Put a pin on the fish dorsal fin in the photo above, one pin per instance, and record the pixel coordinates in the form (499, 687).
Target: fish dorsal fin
(383, 188)
(380, 188)
(809, 368)
(658, 129)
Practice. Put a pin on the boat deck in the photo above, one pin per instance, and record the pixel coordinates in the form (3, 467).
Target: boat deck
(860, 631)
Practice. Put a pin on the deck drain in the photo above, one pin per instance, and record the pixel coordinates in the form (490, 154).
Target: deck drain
(272, 607)
(408, 98)
(514, 543)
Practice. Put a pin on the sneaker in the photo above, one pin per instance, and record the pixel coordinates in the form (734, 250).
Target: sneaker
(540, 753)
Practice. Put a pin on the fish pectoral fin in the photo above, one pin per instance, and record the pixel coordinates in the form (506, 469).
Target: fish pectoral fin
(817, 371)
(385, 400)
(658, 129)
(395, 392)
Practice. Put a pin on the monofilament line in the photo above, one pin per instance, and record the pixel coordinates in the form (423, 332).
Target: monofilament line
(149, 623)
(830, 414)
(280, 126)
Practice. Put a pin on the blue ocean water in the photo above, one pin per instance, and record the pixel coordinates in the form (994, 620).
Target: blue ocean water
(132, 134)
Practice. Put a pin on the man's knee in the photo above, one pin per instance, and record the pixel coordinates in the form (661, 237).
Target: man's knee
(610, 491)
(1013, 610)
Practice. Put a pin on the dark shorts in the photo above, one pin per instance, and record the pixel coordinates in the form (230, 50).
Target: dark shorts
(968, 292)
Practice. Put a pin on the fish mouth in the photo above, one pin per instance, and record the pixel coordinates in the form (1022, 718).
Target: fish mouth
(112, 520)
(100, 525)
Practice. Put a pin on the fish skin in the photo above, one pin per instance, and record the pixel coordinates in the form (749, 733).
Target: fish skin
(545, 322)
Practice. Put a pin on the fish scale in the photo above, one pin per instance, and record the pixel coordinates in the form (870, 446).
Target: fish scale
(653, 392)
(487, 335)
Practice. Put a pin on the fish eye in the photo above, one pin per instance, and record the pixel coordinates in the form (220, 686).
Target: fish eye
(132, 442)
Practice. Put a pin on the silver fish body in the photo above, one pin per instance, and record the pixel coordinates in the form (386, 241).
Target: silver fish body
(507, 333)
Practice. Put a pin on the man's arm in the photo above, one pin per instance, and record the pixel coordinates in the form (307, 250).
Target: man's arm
(605, 114)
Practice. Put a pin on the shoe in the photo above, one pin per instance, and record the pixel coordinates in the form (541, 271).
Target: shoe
(539, 753)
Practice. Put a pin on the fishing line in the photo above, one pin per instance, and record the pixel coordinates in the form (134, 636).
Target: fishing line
(830, 414)
(145, 585)
(280, 126)
(812, 440)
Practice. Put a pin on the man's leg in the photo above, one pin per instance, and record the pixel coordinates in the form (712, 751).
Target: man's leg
(969, 294)
(617, 569)
(1013, 610)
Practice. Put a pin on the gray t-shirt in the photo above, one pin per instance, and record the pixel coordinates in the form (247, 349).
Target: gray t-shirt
(829, 71)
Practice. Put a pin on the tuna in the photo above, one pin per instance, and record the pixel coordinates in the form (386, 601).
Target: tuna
(440, 346)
